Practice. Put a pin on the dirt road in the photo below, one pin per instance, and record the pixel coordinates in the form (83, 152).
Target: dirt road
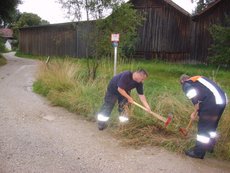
(38, 138)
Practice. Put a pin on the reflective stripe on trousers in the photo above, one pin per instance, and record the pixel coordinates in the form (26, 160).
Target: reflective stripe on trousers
(101, 117)
(206, 139)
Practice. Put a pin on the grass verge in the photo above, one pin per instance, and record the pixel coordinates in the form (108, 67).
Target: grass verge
(2, 60)
(65, 83)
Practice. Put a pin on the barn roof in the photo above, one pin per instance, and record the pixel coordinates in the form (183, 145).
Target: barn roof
(6, 33)
(170, 2)
(67, 24)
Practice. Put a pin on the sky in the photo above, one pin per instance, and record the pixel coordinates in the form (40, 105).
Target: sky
(48, 10)
(186, 4)
(51, 11)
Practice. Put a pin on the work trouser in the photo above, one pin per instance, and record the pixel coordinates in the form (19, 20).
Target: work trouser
(207, 125)
(109, 102)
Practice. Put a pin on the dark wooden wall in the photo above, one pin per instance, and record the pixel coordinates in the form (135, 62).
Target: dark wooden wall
(201, 39)
(165, 33)
(170, 34)
(69, 39)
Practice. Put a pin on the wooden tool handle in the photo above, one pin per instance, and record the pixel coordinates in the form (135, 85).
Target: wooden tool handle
(153, 113)
(191, 120)
(189, 124)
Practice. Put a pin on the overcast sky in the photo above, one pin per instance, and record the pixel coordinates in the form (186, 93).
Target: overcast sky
(51, 11)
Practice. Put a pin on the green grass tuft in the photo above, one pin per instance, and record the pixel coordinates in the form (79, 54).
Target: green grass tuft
(2, 60)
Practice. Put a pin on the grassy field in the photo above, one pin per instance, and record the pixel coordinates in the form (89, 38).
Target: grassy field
(65, 82)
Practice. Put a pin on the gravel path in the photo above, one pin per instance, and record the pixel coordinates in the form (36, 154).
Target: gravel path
(36, 137)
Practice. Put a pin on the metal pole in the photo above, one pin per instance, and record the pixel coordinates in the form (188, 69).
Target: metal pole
(115, 60)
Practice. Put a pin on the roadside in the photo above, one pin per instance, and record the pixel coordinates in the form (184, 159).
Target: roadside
(2, 60)
(37, 137)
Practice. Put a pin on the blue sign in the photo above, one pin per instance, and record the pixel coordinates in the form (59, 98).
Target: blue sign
(115, 44)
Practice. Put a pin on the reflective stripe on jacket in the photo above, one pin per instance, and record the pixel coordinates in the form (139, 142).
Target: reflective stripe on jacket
(212, 87)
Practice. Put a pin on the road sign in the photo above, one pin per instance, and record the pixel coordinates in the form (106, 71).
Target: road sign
(115, 37)
(115, 40)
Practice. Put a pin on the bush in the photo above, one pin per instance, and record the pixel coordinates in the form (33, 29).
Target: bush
(220, 49)
(2, 45)
(117, 23)
(2, 60)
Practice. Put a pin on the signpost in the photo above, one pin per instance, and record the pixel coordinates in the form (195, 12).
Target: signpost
(115, 41)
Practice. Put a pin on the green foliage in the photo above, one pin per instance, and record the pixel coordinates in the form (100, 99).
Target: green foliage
(202, 4)
(30, 56)
(29, 19)
(117, 23)
(2, 60)
(2, 45)
(8, 10)
(90, 8)
(220, 49)
(25, 20)
(40, 88)
(97, 8)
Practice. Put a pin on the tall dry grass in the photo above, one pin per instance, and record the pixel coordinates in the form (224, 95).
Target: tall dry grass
(66, 83)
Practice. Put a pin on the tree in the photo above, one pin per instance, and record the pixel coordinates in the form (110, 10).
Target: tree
(203, 4)
(29, 19)
(7, 11)
(220, 49)
(2, 46)
(91, 9)
(24, 20)
(117, 23)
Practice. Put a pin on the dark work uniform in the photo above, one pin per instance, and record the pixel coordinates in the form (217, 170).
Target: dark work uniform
(125, 81)
(212, 101)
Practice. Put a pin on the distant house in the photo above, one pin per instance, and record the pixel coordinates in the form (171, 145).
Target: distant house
(168, 33)
(7, 35)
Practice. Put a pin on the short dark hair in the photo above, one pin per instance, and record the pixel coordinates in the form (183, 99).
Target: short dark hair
(183, 78)
(142, 71)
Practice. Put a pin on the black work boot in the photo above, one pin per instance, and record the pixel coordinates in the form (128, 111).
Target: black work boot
(101, 125)
(195, 153)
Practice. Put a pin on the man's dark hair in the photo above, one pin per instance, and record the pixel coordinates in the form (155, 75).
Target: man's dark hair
(142, 71)
(183, 78)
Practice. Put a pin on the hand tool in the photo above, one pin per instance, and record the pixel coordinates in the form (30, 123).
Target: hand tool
(165, 120)
(184, 131)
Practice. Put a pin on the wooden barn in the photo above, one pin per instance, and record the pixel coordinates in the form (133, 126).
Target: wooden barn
(201, 39)
(168, 33)
(66, 39)
(166, 30)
